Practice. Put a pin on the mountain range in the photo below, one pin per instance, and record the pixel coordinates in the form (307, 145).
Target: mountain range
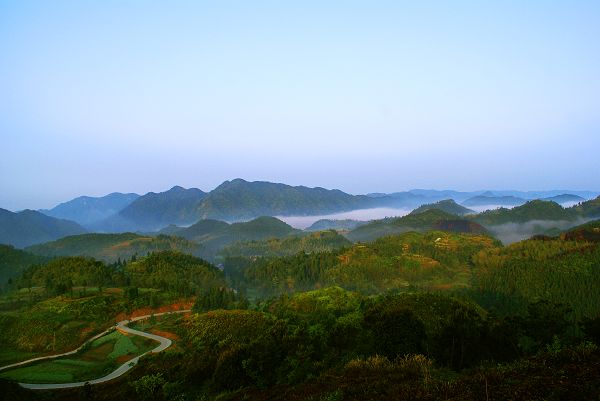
(239, 200)
(87, 210)
(30, 227)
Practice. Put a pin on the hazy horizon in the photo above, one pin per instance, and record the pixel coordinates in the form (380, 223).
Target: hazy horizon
(377, 97)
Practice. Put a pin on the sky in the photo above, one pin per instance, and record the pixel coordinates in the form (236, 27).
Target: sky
(363, 96)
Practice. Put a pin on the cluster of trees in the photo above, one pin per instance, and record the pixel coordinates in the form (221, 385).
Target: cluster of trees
(293, 339)
(168, 271)
(560, 271)
(434, 259)
(112, 247)
(322, 241)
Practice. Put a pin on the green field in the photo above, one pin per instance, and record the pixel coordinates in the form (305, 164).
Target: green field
(102, 357)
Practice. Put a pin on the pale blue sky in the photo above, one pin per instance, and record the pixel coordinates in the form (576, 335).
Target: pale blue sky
(366, 96)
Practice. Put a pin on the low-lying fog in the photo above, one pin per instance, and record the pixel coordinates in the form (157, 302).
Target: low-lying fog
(514, 232)
(483, 208)
(303, 222)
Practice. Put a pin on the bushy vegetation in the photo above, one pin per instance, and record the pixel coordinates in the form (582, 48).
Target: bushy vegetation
(419, 315)
(435, 260)
(113, 247)
(14, 261)
(175, 272)
(321, 241)
(532, 210)
(557, 270)
(431, 218)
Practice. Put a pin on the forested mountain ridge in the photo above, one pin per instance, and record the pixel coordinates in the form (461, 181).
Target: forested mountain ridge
(320, 241)
(447, 205)
(214, 235)
(112, 247)
(14, 261)
(153, 211)
(532, 210)
(86, 210)
(30, 227)
(240, 199)
(429, 219)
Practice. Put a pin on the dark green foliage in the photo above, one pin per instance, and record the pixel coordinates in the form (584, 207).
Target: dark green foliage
(566, 272)
(60, 275)
(271, 276)
(396, 331)
(176, 272)
(14, 261)
(218, 298)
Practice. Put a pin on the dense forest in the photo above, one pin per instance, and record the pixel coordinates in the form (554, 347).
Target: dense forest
(427, 314)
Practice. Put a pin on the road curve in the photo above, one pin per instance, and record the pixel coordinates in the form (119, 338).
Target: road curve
(121, 326)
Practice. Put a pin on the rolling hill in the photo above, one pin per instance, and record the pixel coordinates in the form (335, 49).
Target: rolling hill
(241, 200)
(321, 241)
(589, 209)
(532, 210)
(153, 211)
(14, 261)
(30, 227)
(87, 210)
(586, 232)
(447, 205)
(111, 247)
(431, 219)
(214, 235)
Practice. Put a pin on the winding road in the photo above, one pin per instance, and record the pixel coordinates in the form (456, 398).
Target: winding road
(122, 327)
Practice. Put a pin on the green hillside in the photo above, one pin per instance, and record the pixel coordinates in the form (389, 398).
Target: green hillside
(448, 206)
(435, 260)
(429, 219)
(175, 272)
(214, 235)
(321, 241)
(30, 227)
(532, 210)
(14, 261)
(111, 247)
(557, 270)
(240, 199)
(586, 232)
(590, 209)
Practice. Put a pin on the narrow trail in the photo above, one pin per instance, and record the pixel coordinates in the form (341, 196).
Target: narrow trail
(122, 327)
